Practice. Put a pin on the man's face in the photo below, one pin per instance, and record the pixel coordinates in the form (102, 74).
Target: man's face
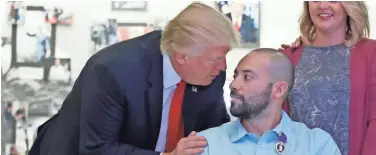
(237, 8)
(250, 89)
(203, 69)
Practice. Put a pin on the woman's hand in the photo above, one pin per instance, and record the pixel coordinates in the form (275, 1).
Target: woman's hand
(293, 45)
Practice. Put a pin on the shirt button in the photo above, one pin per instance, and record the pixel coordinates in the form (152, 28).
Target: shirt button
(260, 146)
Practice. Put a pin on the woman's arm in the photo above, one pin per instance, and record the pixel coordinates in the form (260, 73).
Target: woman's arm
(370, 136)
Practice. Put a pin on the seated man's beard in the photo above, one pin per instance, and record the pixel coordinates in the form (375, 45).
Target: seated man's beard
(250, 106)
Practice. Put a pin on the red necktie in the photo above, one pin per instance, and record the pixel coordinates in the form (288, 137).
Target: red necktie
(237, 26)
(175, 130)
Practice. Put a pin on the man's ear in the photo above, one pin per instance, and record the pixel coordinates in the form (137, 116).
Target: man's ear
(180, 57)
(280, 89)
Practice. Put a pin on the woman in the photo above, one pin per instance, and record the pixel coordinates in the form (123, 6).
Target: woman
(335, 75)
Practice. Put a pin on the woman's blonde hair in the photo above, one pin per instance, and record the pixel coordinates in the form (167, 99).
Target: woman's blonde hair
(196, 27)
(357, 23)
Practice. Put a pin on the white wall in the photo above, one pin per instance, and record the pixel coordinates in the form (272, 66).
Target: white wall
(279, 24)
(372, 14)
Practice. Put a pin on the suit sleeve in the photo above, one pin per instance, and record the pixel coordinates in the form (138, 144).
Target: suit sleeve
(370, 137)
(102, 113)
(219, 115)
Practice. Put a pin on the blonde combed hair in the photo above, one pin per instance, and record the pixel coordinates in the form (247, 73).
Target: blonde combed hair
(196, 27)
(357, 23)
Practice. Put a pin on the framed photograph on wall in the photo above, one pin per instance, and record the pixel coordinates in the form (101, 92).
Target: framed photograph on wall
(103, 33)
(245, 16)
(33, 46)
(58, 16)
(128, 31)
(129, 5)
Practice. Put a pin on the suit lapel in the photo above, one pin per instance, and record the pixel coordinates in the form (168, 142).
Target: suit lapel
(155, 89)
(191, 107)
(155, 97)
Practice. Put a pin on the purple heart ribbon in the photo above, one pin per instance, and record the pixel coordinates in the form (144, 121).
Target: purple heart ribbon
(282, 137)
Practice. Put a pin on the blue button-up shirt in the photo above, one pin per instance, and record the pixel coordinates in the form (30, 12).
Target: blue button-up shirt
(232, 139)
(170, 80)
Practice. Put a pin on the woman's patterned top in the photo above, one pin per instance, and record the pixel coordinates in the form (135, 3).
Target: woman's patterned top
(321, 92)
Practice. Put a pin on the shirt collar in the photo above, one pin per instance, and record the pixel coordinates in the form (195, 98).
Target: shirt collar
(170, 77)
(283, 126)
(239, 131)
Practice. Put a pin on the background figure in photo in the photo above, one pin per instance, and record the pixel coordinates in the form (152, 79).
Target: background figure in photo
(104, 33)
(240, 14)
(42, 43)
(16, 12)
(111, 31)
(98, 36)
(8, 126)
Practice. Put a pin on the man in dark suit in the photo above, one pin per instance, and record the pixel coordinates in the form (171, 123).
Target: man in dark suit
(148, 95)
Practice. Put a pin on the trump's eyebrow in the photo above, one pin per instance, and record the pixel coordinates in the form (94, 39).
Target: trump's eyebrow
(247, 71)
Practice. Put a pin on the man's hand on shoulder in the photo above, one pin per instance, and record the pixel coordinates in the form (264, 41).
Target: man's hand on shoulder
(191, 145)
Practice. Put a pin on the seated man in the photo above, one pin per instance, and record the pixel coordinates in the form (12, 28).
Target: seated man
(261, 83)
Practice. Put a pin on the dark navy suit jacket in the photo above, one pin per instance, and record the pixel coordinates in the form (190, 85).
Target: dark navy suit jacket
(115, 105)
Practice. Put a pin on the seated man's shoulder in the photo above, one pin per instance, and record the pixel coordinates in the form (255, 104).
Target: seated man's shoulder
(218, 137)
(314, 134)
(218, 132)
(319, 141)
